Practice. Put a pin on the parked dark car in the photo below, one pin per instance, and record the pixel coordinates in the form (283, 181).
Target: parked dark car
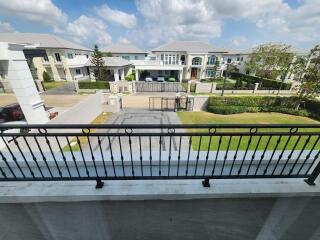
(12, 112)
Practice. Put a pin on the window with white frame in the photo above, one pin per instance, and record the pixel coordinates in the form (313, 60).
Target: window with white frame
(58, 58)
(196, 61)
(211, 60)
(135, 57)
(210, 73)
(45, 58)
(229, 60)
(78, 71)
(126, 57)
(70, 55)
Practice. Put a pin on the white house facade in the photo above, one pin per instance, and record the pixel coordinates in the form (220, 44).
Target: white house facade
(181, 60)
(126, 51)
(61, 59)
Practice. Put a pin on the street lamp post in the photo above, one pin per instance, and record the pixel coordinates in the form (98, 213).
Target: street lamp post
(224, 81)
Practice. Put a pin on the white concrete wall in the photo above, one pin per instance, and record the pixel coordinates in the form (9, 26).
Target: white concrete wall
(132, 56)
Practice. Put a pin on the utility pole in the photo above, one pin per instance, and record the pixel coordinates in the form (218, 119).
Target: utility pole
(224, 81)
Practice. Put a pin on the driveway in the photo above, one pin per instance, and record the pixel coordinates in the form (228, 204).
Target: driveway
(67, 88)
(142, 117)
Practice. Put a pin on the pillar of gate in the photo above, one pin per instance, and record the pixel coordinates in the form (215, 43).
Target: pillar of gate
(22, 83)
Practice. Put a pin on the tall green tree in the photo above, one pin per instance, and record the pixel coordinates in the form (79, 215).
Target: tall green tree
(309, 74)
(98, 64)
(270, 60)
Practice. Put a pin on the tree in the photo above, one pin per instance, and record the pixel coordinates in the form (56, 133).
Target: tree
(46, 77)
(98, 64)
(270, 61)
(107, 54)
(309, 77)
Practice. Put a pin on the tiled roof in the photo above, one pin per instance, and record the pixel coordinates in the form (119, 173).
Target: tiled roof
(123, 48)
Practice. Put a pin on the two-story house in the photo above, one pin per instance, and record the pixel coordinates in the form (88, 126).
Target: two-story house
(61, 59)
(126, 51)
(182, 60)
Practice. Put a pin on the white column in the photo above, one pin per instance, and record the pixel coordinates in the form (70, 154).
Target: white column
(137, 75)
(122, 74)
(116, 74)
(24, 87)
(180, 75)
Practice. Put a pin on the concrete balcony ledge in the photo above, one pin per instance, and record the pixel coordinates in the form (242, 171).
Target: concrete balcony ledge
(18, 192)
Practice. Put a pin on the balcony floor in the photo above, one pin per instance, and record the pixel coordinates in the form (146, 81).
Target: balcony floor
(263, 218)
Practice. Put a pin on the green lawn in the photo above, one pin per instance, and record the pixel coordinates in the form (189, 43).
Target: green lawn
(53, 84)
(247, 118)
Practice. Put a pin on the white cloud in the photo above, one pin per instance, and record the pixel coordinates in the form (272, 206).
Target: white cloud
(124, 40)
(203, 19)
(6, 27)
(88, 31)
(116, 16)
(39, 11)
(239, 41)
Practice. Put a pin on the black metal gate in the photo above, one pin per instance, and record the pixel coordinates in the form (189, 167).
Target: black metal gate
(160, 87)
(170, 103)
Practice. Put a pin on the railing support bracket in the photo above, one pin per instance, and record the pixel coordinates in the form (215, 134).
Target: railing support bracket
(99, 184)
(310, 183)
(205, 183)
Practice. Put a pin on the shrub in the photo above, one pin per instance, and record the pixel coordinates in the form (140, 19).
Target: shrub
(288, 105)
(264, 83)
(130, 77)
(94, 85)
(46, 77)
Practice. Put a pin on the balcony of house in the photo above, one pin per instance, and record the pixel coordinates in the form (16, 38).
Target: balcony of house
(77, 61)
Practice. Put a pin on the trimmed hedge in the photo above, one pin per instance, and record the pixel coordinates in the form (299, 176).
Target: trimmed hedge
(288, 105)
(264, 83)
(94, 85)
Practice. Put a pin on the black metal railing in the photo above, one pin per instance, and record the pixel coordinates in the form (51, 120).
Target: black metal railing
(111, 152)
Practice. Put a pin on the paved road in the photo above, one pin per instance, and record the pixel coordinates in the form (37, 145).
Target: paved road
(67, 88)
(138, 116)
(214, 219)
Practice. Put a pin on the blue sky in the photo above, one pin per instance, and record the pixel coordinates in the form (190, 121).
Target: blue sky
(237, 24)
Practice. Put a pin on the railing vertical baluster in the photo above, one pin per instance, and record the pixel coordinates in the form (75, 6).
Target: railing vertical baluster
(141, 165)
(253, 155)
(111, 157)
(188, 159)
(7, 164)
(245, 154)
(169, 157)
(131, 158)
(281, 154)
(271, 157)
(216, 158)
(207, 156)
(92, 157)
(262, 155)
(43, 156)
(198, 156)
(150, 156)
(83, 159)
(315, 156)
(13, 157)
(316, 171)
(102, 157)
(226, 155)
(73, 157)
(160, 151)
(33, 156)
(121, 156)
(63, 156)
(235, 155)
(179, 155)
(298, 157)
(24, 158)
(304, 162)
(290, 155)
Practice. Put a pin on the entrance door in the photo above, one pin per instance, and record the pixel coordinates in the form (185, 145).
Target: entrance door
(193, 73)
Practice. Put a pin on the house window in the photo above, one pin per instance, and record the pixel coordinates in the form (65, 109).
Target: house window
(126, 57)
(87, 56)
(135, 57)
(45, 58)
(78, 71)
(241, 59)
(57, 56)
(210, 73)
(161, 57)
(229, 60)
(211, 60)
(70, 55)
(196, 61)
(238, 59)
(183, 59)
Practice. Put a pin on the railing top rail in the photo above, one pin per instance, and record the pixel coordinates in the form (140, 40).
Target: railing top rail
(153, 126)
